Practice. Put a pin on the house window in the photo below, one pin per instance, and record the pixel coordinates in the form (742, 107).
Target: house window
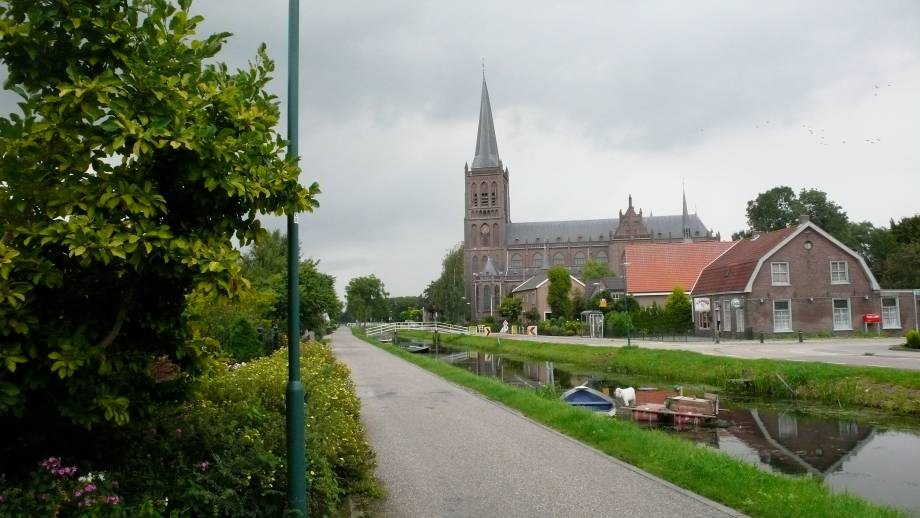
(580, 259)
(891, 313)
(516, 261)
(601, 257)
(704, 320)
(558, 259)
(537, 261)
(843, 321)
(780, 272)
(839, 272)
(782, 316)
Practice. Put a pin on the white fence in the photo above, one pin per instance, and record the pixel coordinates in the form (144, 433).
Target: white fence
(389, 327)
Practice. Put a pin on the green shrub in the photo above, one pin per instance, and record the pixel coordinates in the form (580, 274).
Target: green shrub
(244, 343)
(223, 453)
(617, 323)
(913, 339)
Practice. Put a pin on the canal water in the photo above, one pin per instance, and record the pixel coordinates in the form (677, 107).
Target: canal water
(877, 460)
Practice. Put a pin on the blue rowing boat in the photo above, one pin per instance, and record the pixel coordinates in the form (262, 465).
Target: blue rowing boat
(589, 399)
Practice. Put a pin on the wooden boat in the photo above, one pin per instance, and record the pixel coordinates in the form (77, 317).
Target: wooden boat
(589, 399)
(418, 348)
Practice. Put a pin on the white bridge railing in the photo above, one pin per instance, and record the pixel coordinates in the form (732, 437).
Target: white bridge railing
(389, 327)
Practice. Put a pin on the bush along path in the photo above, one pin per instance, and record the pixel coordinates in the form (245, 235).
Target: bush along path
(890, 390)
(220, 454)
(704, 471)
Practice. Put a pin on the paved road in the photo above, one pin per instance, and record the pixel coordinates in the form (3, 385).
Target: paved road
(443, 451)
(843, 351)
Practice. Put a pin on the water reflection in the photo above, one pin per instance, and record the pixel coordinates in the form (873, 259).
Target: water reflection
(880, 465)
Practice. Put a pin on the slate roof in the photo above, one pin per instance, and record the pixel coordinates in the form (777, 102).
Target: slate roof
(659, 267)
(531, 283)
(615, 284)
(730, 272)
(598, 229)
(489, 267)
(486, 145)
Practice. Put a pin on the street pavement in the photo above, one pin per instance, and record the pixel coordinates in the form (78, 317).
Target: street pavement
(444, 451)
(872, 352)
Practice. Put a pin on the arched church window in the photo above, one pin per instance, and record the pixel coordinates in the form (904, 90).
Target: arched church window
(494, 190)
(484, 194)
(475, 264)
(558, 259)
(516, 261)
(495, 234)
(537, 260)
(484, 234)
(579, 259)
(486, 298)
(497, 294)
(601, 257)
(475, 195)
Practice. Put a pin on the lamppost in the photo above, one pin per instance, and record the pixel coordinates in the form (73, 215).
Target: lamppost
(626, 303)
(295, 400)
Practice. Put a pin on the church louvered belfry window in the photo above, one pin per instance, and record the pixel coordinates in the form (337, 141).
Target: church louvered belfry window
(494, 188)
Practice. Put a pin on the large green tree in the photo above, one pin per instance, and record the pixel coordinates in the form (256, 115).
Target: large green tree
(560, 285)
(678, 311)
(780, 207)
(445, 294)
(511, 307)
(135, 159)
(594, 270)
(366, 299)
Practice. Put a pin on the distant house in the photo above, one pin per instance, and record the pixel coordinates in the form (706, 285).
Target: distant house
(535, 290)
(654, 269)
(799, 278)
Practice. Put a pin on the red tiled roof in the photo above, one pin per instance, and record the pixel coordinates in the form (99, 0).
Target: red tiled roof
(659, 267)
(731, 272)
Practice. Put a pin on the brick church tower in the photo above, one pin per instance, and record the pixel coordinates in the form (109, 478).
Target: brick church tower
(486, 217)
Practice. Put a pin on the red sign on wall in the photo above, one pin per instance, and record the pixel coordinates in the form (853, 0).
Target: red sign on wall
(872, 318)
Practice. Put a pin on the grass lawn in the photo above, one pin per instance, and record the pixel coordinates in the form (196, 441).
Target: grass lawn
(700, 469)
(892, 390)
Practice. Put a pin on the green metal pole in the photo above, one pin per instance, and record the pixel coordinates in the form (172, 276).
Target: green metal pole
(296, 445)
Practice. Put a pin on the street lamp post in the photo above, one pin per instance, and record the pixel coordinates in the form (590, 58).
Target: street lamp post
(295, 400)
(626, 303)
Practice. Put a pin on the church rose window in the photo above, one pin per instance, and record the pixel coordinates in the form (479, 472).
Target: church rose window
(558, 259)
(484, 235)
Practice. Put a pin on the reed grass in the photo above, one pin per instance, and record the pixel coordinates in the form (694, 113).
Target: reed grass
(702, 470)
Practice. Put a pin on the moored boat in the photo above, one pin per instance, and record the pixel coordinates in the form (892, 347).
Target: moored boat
(589, 399)
(418, 348)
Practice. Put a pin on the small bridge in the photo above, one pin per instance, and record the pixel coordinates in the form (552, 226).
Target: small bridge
(390, 327)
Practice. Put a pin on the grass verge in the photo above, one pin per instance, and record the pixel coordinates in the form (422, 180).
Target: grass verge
(704, 471)
(892, 390)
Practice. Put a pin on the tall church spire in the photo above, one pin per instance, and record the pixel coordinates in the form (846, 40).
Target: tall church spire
(685, 220)
(486, 146)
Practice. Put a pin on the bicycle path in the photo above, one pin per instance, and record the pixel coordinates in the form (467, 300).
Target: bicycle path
(444, 451)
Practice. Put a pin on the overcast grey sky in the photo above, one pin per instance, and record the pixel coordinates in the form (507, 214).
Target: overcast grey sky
(592, 101)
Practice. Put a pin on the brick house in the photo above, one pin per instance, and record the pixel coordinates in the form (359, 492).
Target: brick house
(655, 269)
(534, 293)
(799, 278)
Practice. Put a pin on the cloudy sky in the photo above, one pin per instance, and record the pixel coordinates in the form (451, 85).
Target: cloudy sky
(592, 101)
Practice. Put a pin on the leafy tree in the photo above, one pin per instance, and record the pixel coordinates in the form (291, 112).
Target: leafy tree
(594, 270)
(134, 161)
(773, 209)
(410, 315)
(319, 304)
(560, 284)
(446, 293)
(399, 305)
(678, 311)
(511, 308)
(366, 298)
(244, 343)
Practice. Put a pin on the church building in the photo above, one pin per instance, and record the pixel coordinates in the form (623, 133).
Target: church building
(500, 255)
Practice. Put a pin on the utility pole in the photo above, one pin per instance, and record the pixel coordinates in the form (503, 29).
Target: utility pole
(295, 400)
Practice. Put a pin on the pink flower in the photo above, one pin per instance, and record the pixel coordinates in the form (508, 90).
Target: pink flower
(113, 499)
(89, 488)
(77, 493)
(51, 463)
(203, 465)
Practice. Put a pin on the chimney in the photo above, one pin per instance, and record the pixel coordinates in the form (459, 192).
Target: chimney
(804, 218)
